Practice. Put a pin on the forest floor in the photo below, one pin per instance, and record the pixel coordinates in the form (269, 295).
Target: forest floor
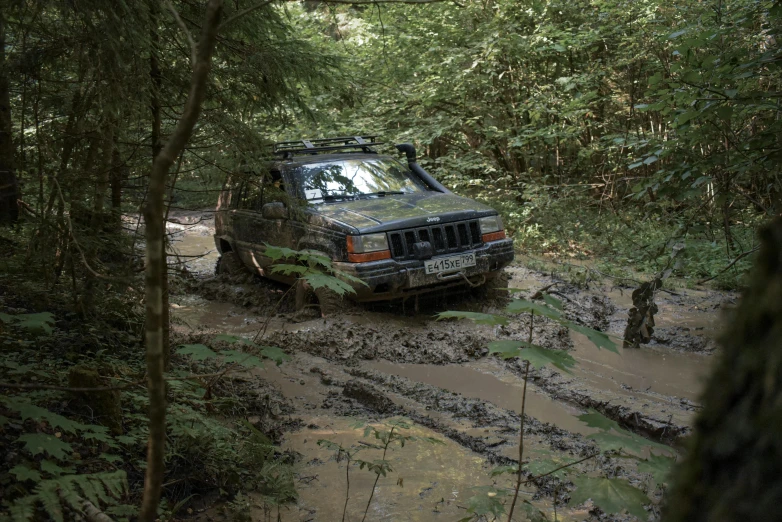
(382, 362)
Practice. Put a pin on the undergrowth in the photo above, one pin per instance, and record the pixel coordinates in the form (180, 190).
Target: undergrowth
(68, 453)
(570, 225)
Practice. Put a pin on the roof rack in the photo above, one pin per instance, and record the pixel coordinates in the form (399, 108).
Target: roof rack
(288, 148)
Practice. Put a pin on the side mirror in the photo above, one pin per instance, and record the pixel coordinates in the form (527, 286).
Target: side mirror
(274, 210)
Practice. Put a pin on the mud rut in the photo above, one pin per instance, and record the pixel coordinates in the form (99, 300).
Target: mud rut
(385, 362)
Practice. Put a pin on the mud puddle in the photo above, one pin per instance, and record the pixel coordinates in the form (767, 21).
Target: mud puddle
(487, 381)
(424, 483)
(641, 370)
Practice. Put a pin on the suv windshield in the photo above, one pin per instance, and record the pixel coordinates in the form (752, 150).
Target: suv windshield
(354, 178)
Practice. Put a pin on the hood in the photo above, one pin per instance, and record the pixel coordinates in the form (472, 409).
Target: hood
(402, 211)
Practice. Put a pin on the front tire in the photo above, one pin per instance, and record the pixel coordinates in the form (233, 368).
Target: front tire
(331, 302)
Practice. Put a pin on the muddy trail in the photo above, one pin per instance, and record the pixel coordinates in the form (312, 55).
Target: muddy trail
(389, 361)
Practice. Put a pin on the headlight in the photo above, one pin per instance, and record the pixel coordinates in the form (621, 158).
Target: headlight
(367, 243)
(491, 224)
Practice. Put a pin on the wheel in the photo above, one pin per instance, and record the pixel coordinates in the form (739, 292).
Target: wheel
(331, 302)
(229, 264)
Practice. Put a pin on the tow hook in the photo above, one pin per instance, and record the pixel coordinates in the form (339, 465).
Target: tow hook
(456, 275)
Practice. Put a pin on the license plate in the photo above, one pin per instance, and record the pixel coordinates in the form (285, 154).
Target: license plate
(449, 264)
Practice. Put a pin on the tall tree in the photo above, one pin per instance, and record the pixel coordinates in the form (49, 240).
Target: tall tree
(156, 259)
(9, 185)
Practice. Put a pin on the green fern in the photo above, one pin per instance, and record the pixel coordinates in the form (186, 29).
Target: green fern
(70, 491)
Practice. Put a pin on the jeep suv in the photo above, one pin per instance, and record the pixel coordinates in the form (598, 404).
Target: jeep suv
(386, 222)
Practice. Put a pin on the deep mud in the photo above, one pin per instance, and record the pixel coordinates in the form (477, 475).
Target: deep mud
(387, 361)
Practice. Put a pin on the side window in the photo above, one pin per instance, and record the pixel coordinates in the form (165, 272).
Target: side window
(257, 189)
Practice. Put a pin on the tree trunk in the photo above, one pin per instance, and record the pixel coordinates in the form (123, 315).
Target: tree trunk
(9, 185)
(157, 83)
(731, 467)
(155, 261)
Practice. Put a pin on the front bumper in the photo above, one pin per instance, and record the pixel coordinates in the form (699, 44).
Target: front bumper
(390, 279)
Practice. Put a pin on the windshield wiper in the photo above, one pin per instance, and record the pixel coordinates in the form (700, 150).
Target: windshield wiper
(334, 197)
(383, 193)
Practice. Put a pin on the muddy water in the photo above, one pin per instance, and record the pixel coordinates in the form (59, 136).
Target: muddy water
(487, 381)
(641, 369)
(192, 243)
(424, 483)
(198, 313)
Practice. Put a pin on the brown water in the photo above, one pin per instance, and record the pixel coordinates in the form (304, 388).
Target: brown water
(643, 369)
(499, 387)
(424, 484)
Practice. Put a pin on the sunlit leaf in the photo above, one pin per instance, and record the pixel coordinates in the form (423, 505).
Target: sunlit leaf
(599, 339)
(658, 466)
(319, 280)
(522, 305)
(610, 495)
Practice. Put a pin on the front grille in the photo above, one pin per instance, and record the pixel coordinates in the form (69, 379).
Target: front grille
(445, 239)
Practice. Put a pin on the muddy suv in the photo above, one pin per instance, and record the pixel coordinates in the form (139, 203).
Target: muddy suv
(388, 223)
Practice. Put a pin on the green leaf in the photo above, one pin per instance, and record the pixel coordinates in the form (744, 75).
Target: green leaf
(599, 339)
(28, 410)
(537, 356)
(37, 443)
(39, 322)
(658, 466)
(532, 513)
(540, 467)
(198, 352)
(486, 501)
(506, 349)
(501, 470)
(50, 467)
(610, 441)
(23, 473)
(243, 359)
(287, 269)
(478, 318)
(319, 280)
(552, 301)
(275, 252)
(230, 338)
(275, 354)
(522, 305)
(610, 495)
(593, 419)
